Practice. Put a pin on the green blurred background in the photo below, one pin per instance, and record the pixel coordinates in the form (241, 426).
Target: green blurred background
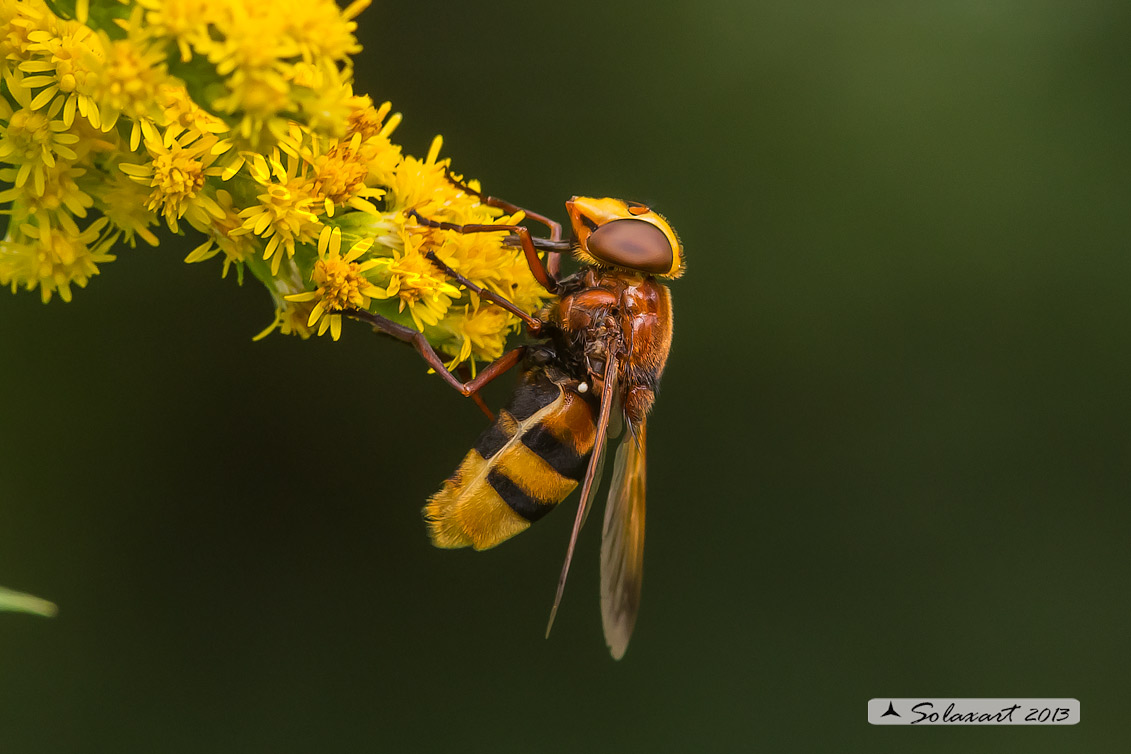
(891, 456)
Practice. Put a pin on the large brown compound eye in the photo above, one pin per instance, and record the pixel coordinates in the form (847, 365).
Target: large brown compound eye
(635, 244)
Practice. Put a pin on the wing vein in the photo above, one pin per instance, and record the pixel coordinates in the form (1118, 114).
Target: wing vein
(592, 478)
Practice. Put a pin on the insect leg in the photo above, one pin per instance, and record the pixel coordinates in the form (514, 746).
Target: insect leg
(533, 324)
(464, 374)
(496, 368)
(554, 264)
(555, 228)
(524, 237)
(424, 348)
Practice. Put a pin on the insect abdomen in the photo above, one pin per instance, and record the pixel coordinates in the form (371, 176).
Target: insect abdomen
(527, 462)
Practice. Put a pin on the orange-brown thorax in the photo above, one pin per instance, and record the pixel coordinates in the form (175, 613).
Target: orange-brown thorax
(608, 309)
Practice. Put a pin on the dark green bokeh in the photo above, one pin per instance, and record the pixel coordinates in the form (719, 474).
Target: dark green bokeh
(891, 455)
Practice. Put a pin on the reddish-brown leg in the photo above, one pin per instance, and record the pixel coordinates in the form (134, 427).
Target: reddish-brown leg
(424, 348)
(524, 237)
(533, 324)
(554, 264)
(554, 247)
(465, 375)
(555, 228)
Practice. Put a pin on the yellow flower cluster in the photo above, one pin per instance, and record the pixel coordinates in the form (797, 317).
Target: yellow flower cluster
(236, 118)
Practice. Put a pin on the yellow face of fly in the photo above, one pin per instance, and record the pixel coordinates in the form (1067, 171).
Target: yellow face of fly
(630, 235)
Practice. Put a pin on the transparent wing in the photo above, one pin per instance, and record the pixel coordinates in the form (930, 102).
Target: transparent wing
(622, 544)
(592, 478)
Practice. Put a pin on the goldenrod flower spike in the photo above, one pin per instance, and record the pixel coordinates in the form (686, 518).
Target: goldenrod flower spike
(249, 134)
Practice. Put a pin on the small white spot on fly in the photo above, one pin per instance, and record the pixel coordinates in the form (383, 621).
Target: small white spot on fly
(583, 387)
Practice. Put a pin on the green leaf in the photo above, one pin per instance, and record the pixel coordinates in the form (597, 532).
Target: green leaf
(26, 603)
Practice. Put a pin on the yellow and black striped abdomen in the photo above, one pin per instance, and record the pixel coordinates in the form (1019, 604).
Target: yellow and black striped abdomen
(526, 463)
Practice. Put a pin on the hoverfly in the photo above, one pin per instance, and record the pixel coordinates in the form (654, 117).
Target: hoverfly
(601, 345)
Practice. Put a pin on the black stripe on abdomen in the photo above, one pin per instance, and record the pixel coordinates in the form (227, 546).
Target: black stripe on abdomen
(491, 441)
(517, 498)
(558, 454)
(531, 396)
(528, 399)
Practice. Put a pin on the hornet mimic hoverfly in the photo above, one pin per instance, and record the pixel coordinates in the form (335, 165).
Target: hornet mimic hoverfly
(601, 345)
